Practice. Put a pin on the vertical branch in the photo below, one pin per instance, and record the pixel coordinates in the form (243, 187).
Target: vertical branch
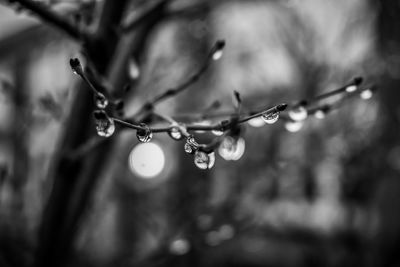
(75, 180)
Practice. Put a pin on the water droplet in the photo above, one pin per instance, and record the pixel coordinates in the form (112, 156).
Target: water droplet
(217, 132)
(217, 54)
(293, 126)
(270, 118)
(101, 101)
(145, 135)
(231, 148)
(191, 145)
(218, 50)
(105, 126)
(133, 69)
(203, 160)
(320, 114)
(366, 94)
(298, 113)
(175, 133)
(351, 88)
(256, 122)
(179, 246)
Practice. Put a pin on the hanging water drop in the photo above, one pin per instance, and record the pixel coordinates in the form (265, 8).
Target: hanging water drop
(191, 145)
(239, 150)
(105, 126)
(203, 160)
(144, 135)
(366, 94)
(175, 133)
(298, 113)
(293, 126)
(101, 101)
(256, 122)
(231, 148)
(270, 118)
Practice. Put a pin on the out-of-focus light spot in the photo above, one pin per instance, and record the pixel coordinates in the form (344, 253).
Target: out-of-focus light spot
(213, 238)
(366, 94)
(293, 126)
(147, 160)
(351, 88)
(133, 69)
(226, 232)
(204, 221)
(298, 114)
(179, 246)
(256, 122)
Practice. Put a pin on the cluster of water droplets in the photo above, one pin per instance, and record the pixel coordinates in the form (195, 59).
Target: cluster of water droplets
(204, 160)
(191, 145)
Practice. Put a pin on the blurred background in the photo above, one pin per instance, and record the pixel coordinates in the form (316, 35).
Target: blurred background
(327, 194)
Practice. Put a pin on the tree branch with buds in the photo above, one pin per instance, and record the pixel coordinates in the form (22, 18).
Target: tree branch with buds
(227, 130)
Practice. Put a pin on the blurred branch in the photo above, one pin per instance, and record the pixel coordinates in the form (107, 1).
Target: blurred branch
(52, 18)
(169, 93)
(135, 22)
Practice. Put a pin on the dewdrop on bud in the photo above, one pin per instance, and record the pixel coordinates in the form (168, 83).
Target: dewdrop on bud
(366, 94)
(270, 118)
(175, 133)
(293, 126)
(144, 135)
(298, 113)
(101, 101)
(218, 50)
(203, 160)
(105, 126)
(191, 145)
